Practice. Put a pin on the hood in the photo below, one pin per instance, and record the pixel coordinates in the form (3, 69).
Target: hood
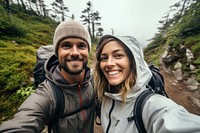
(52, 70)
(143, 72)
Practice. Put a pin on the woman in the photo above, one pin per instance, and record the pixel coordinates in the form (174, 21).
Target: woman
(121, 76)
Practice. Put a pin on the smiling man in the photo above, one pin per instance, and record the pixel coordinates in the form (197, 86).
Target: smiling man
(67, 69)
(73, 58)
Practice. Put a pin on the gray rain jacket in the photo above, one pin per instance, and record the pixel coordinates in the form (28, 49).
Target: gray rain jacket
(160, 114)
(38, 109)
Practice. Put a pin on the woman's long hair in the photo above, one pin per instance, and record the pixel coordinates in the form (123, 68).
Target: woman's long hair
(100, 81)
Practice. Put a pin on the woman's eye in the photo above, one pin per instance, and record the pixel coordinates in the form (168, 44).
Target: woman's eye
(103, 58)
(119, 56)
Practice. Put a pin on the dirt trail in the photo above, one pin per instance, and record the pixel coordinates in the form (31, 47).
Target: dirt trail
(176, 91)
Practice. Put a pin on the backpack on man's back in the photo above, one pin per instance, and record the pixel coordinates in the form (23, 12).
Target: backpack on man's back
(43, 53)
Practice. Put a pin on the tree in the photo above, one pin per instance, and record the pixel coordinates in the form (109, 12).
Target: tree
(91, 19)
(59, 8)
(6, 3)
(86, 16)
(177, 10)
(95, 18)
(23, 5)
(36, 5)
(42, 7)
(99, 32)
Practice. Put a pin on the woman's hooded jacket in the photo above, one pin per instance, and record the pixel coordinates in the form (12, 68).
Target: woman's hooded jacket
(160, 114)
(39, 108)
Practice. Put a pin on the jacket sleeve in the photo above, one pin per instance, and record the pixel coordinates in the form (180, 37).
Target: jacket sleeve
(32, 115)
(162, 115)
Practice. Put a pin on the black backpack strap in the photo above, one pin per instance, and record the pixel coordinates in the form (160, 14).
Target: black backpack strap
(137, 111)
(60, 105)
(139, 104)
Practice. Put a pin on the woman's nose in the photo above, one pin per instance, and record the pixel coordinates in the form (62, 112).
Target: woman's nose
(110, 62)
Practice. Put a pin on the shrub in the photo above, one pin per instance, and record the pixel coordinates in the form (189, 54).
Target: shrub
(11, 26)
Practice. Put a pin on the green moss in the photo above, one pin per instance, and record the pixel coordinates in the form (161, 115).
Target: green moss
(16, 65)
(154, 55)
(196, 49)
(197, 61)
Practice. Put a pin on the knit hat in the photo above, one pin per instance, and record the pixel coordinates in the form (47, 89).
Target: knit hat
(70, 28)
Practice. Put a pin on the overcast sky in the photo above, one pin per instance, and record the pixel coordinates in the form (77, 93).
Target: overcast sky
(138, 18)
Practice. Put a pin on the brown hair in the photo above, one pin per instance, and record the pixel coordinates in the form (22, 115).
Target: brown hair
(100, 81)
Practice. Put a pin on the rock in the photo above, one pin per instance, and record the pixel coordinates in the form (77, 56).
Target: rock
(189, 55)
(192, 83)
(178, 72)
(196, 101)
(192, 68)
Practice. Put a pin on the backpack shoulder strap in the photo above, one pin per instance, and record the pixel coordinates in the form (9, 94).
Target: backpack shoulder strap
(60, 105)
(138, 107)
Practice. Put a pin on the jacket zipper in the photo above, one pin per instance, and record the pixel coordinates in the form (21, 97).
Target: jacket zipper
(111, 109)
(81, 103)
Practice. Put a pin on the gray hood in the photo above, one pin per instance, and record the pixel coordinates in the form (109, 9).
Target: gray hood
(142, 69)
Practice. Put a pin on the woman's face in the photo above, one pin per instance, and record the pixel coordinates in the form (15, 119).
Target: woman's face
(114, 62)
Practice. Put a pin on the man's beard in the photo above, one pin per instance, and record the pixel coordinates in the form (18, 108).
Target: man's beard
(72, 72)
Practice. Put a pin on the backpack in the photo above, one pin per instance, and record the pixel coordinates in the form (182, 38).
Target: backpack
(155, 86)
(43, 53)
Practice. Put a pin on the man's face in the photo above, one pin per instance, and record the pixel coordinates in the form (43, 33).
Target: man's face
(73, 55)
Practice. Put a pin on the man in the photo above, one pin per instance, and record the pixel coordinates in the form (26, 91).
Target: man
(68, 70)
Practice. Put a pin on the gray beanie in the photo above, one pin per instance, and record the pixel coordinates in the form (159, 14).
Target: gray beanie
(70, 28)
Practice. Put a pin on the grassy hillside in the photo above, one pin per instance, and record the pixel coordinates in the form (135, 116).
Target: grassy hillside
(19, 40)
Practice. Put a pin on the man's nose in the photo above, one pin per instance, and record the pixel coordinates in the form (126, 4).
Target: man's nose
(74, 50)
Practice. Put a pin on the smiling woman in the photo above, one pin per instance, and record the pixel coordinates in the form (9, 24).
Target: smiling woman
(114, 62)
(121, 76)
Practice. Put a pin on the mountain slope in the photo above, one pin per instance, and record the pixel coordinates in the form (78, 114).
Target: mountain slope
(176, 49)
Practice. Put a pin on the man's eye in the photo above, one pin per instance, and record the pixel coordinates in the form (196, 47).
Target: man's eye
(65, 45)
(82, 46)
